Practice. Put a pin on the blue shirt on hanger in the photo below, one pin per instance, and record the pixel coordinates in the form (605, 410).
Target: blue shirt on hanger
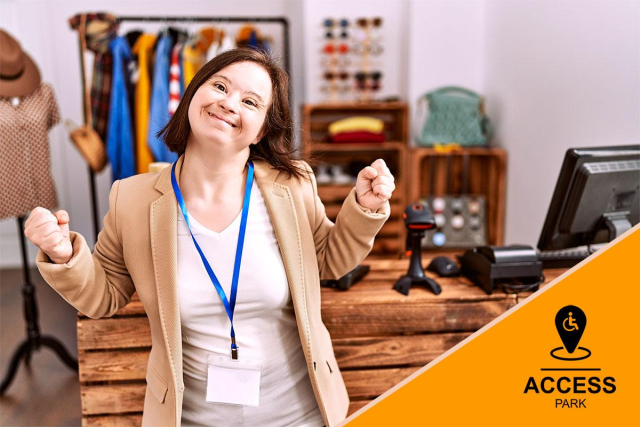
(159, 114)
(119, 143)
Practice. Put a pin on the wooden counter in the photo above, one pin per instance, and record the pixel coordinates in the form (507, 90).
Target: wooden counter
(379, 335)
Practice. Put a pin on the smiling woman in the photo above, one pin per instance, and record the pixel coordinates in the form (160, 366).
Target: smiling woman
(177, 238)
(251, 87)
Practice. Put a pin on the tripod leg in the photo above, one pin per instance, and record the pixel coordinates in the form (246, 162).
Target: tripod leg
(62, 352)
(23, 351)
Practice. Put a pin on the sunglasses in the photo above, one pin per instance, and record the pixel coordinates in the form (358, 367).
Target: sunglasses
(343, 75)
(334, 87)
(374, 75)
(372, 48)
(341, 48)
(373, 22)
(362, 80)
(330, 23)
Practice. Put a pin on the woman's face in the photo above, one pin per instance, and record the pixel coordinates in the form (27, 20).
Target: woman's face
(230, 108)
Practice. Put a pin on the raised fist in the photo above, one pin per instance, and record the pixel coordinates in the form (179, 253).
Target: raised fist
(50, 232)
(374, 185)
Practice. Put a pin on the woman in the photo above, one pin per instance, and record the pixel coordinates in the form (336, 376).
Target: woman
(191, 238)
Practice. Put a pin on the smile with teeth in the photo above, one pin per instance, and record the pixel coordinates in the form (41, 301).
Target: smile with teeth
(224, 121)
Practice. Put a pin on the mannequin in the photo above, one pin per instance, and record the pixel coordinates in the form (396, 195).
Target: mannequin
(28, 110)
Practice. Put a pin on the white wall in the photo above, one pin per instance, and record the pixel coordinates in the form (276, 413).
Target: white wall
(43, 31)
(557, 74)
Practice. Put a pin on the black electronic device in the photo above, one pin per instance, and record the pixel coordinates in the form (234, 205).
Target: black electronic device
(417, 219)
(444, 267)
(596, 199)
(348, 280)
(515, 268)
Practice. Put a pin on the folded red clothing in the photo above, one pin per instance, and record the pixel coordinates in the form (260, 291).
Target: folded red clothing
(354, 137)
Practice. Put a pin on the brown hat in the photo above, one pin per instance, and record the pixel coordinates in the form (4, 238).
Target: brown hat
(18, 73)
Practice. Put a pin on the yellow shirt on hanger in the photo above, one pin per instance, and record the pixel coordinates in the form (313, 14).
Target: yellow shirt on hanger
(193, 61)
(194, 53)
(142, 48)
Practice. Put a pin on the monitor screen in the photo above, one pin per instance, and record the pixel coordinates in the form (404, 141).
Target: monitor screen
(597, 197)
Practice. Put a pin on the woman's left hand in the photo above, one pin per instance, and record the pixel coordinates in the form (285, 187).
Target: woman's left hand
(374, 185)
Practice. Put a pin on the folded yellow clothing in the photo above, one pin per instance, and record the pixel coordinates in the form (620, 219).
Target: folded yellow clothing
(356, 124)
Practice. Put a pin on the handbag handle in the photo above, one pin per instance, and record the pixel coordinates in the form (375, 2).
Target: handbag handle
(454, 89)
(82, 31)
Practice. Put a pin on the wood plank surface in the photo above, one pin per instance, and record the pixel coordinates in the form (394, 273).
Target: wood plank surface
(127, 332)
(356, 405)
(128, 420)
(412, 317)
(371, 383)
(113, 365)
(414, 350)
(112, 399)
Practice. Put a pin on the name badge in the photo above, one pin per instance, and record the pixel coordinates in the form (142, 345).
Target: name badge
(233, 381)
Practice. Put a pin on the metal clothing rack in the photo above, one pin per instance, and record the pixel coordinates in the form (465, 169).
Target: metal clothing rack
(187, 20)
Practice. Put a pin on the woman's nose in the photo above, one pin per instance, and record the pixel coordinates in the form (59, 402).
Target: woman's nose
(229, 104)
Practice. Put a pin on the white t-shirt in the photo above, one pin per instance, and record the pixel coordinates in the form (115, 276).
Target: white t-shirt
(264, 323)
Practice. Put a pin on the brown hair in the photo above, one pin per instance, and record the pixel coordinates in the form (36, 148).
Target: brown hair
(276, 146)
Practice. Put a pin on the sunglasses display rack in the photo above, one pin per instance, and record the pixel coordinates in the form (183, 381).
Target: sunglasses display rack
(337, 164)
(349, 70)
(465, 189)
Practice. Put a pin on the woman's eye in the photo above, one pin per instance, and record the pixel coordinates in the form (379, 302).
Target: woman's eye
(219, 86)
(253, 104)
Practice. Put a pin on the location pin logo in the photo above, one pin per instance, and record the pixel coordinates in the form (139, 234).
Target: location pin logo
(570, 323)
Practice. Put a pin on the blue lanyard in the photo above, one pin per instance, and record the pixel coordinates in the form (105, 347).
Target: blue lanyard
(228, 305)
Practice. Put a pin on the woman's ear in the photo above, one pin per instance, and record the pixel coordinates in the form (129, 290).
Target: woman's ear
(261, 135)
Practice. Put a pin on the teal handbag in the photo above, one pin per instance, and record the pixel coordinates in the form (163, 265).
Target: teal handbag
(456, 115)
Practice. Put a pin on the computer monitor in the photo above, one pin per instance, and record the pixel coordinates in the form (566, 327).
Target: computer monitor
(596, 199)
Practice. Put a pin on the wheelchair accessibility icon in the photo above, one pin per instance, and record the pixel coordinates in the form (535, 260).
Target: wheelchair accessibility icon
(570, 323)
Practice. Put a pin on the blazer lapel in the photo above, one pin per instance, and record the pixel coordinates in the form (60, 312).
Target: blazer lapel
(284, 219)
(164, 249)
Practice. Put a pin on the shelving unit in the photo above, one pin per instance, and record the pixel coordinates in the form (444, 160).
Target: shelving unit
(315, 123)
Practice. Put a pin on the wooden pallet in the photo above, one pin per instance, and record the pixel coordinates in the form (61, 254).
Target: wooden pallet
(380, 337)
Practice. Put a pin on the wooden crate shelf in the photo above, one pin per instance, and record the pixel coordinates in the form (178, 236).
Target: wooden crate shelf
(316, 119)
(486, 177)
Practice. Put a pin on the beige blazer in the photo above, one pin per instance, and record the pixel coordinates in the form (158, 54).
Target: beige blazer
(136, 251)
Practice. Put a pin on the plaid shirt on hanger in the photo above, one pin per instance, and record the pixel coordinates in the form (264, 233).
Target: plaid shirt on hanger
(98, 38)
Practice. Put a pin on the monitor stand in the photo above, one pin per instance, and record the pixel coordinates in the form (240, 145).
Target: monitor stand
(617, 223)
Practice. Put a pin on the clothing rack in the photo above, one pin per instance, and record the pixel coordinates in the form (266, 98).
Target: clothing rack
(186, 20)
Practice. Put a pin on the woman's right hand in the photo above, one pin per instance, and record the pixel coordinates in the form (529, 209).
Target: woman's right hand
(50, 233)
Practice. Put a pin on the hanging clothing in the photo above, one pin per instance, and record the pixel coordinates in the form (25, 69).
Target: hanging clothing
(101, 29)
(132, 75)
(181, 61)
(212, 52)
(195, 52)
(143, 90)
(159, 112)
(175, 92)
(192, 62)
(25, 163)
(120, 147)
(227, 44)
